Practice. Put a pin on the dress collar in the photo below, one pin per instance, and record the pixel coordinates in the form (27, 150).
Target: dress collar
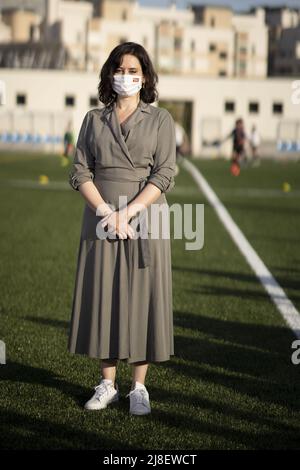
(145, 107)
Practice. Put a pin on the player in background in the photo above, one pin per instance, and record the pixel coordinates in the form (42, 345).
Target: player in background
(254, 141)
(239, 137)
(69, 143)
(182, 144)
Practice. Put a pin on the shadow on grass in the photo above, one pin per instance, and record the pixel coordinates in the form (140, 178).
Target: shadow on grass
(63, 324)
(25, 431)
(247, 358)
(22, 373)
(240, 277)
(22, 431)
(222, 426)
(225, 291)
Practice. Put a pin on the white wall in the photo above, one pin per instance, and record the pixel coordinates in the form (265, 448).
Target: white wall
(46, 89)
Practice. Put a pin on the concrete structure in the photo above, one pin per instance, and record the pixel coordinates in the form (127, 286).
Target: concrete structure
(5, 32)
(66, 22)
(34, 5)
(206, 41)
(23, 25)
(287, 60)
(251, 44)
(44, 101)
(284, 41)
(199, 41)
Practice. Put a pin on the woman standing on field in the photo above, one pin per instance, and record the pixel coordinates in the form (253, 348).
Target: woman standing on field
(122, 303)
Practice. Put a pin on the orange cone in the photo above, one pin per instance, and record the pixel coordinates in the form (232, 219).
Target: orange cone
(235, 169)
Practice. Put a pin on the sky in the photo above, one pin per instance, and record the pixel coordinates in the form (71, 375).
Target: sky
(238, 5)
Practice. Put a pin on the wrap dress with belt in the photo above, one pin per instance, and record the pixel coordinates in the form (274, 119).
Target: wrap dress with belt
(122, 302)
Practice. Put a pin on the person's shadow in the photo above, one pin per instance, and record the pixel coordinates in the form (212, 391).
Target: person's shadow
(20, 430)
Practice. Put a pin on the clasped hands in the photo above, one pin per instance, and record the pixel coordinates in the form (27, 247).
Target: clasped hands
(117, 223)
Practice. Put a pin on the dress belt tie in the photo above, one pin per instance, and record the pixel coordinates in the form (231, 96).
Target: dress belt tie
(141, 178)
(144, 244)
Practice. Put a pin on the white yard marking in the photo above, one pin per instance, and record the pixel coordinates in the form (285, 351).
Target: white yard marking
(181, 190)
(275, 291)
(34, 184)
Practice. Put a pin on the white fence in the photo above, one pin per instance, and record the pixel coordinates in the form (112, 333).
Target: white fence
(33, 130)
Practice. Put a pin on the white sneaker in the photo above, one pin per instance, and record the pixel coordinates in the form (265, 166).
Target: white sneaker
(139, 400)
(105, 393)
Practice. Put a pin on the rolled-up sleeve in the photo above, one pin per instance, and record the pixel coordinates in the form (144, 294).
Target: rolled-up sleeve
(84, 161)
(163, 170)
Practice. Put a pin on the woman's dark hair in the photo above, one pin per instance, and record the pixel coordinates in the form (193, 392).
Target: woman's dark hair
(148, 92)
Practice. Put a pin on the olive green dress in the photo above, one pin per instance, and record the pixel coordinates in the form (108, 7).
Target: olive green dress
(122, 302)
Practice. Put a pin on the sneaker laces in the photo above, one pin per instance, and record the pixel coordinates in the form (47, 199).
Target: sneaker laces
(139, 395)
(101, 389)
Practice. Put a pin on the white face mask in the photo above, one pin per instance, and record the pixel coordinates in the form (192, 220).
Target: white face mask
(127, 84)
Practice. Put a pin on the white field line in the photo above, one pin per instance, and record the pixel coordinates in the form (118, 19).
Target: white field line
(275, 291)
(34, 184)
(244, 192)
(255, 192)
(178, 190)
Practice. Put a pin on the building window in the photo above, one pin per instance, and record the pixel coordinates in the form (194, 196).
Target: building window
(223, 55)
(222, 73)
(277, 108)
(253, 107)
(93, 101)
(124, 15)
(212, 47)
(285, 70)
(177, 43)
(229, 106)
(69, 100)
(212, 22)
(21, 99)
(122, 39)
(192, 45)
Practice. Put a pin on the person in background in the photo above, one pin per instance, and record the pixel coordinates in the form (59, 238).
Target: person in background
(69, 142)
(182, 144)
(254, 141)
(239, 137)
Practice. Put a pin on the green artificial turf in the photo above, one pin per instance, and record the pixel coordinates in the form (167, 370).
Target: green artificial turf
(231, 383)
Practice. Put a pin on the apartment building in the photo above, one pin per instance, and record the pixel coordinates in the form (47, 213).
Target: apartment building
(198, 41)
(19, 26)
(284, 41)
